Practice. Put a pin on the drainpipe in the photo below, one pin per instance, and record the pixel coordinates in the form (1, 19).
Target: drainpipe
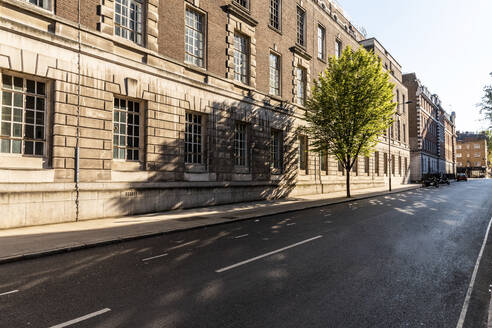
(77, 135)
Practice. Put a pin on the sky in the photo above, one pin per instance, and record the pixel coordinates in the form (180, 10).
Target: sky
(447, 43)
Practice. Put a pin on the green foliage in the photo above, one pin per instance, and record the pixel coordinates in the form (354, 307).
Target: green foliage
(350, 107)
(486, 105)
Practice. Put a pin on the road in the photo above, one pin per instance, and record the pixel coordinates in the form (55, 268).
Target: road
(403, 260)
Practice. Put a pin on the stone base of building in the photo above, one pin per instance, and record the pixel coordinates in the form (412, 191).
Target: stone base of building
(47, 203)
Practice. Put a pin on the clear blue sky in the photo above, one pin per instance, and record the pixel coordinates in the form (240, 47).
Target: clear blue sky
(447, 43)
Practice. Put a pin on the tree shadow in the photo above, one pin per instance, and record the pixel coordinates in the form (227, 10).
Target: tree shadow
(216, 179)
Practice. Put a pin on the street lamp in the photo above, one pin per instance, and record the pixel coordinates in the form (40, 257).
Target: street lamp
(390, 172)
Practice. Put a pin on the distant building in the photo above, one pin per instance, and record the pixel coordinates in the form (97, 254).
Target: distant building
(471, 153)
(432, 132)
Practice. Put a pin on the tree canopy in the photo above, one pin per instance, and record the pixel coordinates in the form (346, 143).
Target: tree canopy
(351, 106)
(486, 104)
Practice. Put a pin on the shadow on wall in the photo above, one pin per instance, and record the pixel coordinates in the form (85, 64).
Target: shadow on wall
(204, 163)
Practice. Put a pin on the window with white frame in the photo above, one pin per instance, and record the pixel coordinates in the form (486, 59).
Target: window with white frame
(476, 146)
(338, 49)
(45, 4)
(241, 58)
(128, 20)
(241, 144)
(458, 155)
(321, 42)
(194, 138)
(194, 37)
(458, 146)
(274, 74)
(477, 154)
(126, 129)
(301, 26)
(23, 116)
(275, 14)
(275, 149)
(301, 85)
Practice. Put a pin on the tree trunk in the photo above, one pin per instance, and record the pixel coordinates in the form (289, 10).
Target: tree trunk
(348, 183)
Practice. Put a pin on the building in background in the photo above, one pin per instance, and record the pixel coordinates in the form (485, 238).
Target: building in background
(471, 154)
(432, 132)
(128, 107)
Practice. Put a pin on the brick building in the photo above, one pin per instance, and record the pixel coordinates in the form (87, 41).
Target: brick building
(432, 132)
(471, 154)
(120, 107)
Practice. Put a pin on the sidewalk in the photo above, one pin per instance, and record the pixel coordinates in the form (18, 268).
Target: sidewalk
(29, 242)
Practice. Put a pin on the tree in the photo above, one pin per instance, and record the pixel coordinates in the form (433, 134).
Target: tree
(351, 106)
(486, 104)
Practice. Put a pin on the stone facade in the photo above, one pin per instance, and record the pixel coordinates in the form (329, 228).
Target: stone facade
(184, 149)
(471, 153)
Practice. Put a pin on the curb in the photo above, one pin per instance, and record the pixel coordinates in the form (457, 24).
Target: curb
(121, 239)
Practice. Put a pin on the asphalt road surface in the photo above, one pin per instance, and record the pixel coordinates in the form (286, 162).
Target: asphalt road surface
(404, 260)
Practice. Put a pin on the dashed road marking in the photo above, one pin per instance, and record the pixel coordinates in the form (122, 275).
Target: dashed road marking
(85, 317)
(154, 257)
(267, 254)
(11, 292)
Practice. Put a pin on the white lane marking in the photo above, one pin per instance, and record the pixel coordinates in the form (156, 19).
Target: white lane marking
(11, 292)
(290, 224)
(461, 320)
(242, 236)
(267, 254)
(85, 317)
(154, 257)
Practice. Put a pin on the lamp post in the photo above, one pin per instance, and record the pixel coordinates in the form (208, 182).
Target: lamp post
(390, 158)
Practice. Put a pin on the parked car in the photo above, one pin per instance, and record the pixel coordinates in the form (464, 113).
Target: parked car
(461, 177)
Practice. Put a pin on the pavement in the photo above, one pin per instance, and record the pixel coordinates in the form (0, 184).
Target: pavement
(30, 242)
(401, 260)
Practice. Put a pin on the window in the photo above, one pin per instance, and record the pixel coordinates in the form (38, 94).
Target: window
(301, 85)
(321, 42)
(128, 20)
(275, 14)
(458, 155)
(476, 146)
(366, 164)
(385, 163)
(477, 154)
(340, 166)
(45, 4)
(301, 26)
(338, 49)
(194, 138)
(194, 38)
(458, 146)
(323, 161)
(23, 116)
(393, 164)
(240, 144)
(404, 133)
(399, 165)
(398, 130)
(126, 129)
(241, 58)
(242, 3)
(303, 153)
(275, 149)
(376, 163)
(398, 100)
(403, 102)
(274, 74)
